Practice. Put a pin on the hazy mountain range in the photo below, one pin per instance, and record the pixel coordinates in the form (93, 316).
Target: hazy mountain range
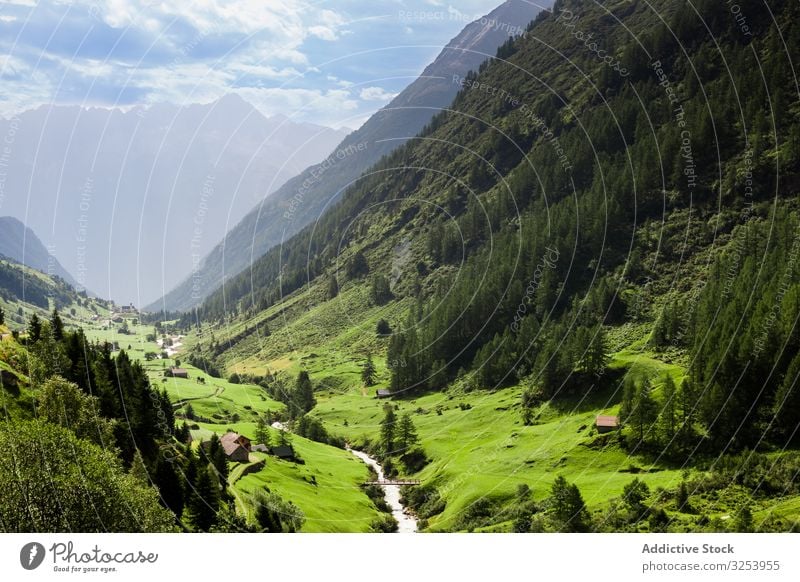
(129, 201)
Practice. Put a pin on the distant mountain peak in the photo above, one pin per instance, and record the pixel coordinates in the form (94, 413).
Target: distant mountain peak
(20, 244)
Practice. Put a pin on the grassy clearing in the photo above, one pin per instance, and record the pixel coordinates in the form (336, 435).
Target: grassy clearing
(325, 486)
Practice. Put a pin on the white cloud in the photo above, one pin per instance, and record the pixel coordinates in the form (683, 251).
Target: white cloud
(333, 107)
(323, 32)
(329, 25)
(376, 94)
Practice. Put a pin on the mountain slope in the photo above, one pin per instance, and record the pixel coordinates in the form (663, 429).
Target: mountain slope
(594, 239)
(20, 244)
(302, 199)
(128, 196)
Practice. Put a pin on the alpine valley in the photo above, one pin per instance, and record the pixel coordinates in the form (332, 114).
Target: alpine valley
(566, 302)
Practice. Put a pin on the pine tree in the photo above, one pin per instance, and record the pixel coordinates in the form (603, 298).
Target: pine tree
(358, 266)
(628, 396)
(668, 416)
(220, 461)
(333, 287)
(380, 292)
(2, 316)
(388, 429)
(34, 329)
(786, 407)
(569, 509)
(744, 520)
(285, 439)
(407, 436)
(645, 410)
(204, 502)
(383, 327)
(169, 486)
(262, 432)
(57, 326)
(368, 372)
(303, 398)
(688, 399)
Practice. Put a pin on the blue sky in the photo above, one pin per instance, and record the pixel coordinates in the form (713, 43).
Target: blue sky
(332, 63)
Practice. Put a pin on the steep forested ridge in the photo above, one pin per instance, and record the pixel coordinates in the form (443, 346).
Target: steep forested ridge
(622, 179)
(565, 158)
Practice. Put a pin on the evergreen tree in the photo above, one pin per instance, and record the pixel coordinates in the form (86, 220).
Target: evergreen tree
(688, 400)
(380, 291)
(569, 509)
(668, 416)
(357, 266)
(368, 372)
(285, 438)
(303, 398)
(634, 495)
(34, 329)
(383, 327)
(183, 433)
(57, 326)
(644, 412)
(407, 436)
(169, 486)
(333, 287)
(388, 429)
(215, 454)
(744, 520)
(628, 397)
(2, 316)
(262, 432)
(204, 501)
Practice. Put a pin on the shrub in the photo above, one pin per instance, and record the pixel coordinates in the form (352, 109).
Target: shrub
(384, 524)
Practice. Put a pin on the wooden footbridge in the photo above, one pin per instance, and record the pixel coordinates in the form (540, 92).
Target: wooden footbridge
(398, 482)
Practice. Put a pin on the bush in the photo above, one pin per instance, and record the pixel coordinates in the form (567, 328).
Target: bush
(424, 500)
(53, 481)
(383, 327)
(378, 497)
(477, 514)
(414, 460)
(384, 524)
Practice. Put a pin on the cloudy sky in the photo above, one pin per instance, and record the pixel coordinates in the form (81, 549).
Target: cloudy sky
(330, 62)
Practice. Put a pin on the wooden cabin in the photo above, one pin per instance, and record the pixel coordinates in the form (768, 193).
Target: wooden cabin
(606, 424)
(236, 447)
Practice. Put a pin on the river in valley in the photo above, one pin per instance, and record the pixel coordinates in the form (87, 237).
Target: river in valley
(406, 523)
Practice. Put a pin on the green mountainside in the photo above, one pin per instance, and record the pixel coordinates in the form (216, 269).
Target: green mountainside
(578, 235)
